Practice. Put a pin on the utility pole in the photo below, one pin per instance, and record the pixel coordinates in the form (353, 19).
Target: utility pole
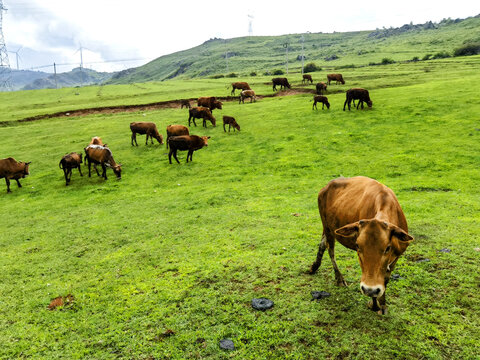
(5, 71)
(226, 55)
(303, 53)
(55, 75)
(286, 54)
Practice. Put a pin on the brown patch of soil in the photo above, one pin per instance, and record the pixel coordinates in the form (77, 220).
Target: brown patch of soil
(61, 301)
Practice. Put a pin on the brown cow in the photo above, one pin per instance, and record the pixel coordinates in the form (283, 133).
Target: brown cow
(320, 87)
(176, 130)
(185, 103)
(320, 99)
(363, 215)
(186, 142)
(231, 123)
(98, 154)
(69, 162)
(357, 94)
(11, 169)
(201, 113)
(283, 82)
(247, 94)
(210, 102)
(239, 85)
(337, 77)
(307, 77)
(148, 128)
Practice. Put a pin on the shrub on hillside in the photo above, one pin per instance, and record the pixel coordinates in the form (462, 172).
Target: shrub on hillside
(415, 58)
(278, 72)
(217, 76)
(427, 57)
(253, 73)
(468, 49)
(232, 75)
(386, 61)
(311, 67)
(441, 55)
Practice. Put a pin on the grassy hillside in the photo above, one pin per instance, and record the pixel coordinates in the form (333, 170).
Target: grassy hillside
(266, 53)
(164, 263)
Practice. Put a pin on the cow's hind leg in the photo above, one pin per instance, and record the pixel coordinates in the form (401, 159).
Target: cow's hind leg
(189, 155)
(318, 260)
(331, 252)
(80, 170)
(8, 185)
(175, 155)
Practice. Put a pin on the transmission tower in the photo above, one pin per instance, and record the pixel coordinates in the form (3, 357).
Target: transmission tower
(5, 71)
(250, 21)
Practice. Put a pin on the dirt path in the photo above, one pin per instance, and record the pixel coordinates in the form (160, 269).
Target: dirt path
(170, 104)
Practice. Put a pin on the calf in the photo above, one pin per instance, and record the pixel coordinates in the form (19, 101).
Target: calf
(247, 94)
(361, 95)
(283, 82)
(337, 77)
(98, 154)
(320, 87)
(363, 215)
(184, 143)
(231, 123)
(176, 130)
(201, 113)
(239, 85)
(210, 102)
(148, 128)
(185, 103)
(320, 99)
(307, 77)
(11, 169)
(69, 162)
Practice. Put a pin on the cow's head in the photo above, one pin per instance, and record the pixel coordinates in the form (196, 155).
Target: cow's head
(25, 169)
(328, 105)
(342, 81)
(379, 245)
(218, 104)
(369, 103)
(117, 170)
(205, 140)
(236, 126)
(213, 120)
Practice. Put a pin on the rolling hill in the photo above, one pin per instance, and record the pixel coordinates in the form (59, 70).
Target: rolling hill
(264, 54)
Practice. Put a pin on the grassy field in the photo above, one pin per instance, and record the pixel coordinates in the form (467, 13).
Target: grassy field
(164, 263)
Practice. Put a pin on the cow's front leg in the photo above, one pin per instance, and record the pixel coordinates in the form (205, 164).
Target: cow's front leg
(8, 185)
(338, 275)
(18, 183)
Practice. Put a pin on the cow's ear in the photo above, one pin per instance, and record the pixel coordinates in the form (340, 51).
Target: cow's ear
(28, 163)
(350, 230)
(400, 240)
(208, 137)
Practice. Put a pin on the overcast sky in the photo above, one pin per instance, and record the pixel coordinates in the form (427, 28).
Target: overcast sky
(52, 30)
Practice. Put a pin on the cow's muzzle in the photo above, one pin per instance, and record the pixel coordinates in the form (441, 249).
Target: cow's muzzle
(372, 291)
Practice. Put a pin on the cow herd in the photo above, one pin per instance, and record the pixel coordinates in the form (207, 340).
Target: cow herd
(360, 213)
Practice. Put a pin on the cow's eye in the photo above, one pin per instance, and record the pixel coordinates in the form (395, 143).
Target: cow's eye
(388, 249)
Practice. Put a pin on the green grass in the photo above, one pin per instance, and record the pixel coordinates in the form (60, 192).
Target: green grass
(186, 247)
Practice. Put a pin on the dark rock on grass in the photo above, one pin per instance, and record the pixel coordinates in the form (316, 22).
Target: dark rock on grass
(262, 304)
(445, 250)
(227, 344)
(317, 295)
(395, 277)
(423, 260)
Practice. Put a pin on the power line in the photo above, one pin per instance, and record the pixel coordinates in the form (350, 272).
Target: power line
(85, 63)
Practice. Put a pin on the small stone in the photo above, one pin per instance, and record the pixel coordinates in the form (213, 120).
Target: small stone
(395, 277)
(262, 304)
(476, 249)
(423, 260)
(227, 344)
(445, 250)
(317, 295)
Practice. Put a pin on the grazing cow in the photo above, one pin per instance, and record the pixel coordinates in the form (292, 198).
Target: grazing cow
(361, 95)
(363, 215)
(320, 99)
(176, 130)
(239, 85)
(201, 113)
(184, 143)
(320, 87)
(210, 102)
(247, 94)
(307, 77)
(185, 103)
(98, 154)
(11, 169)
(231, 123)
(69, 162)
(337, 77)
(283, 82)
(96, 140)
(148, 128)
